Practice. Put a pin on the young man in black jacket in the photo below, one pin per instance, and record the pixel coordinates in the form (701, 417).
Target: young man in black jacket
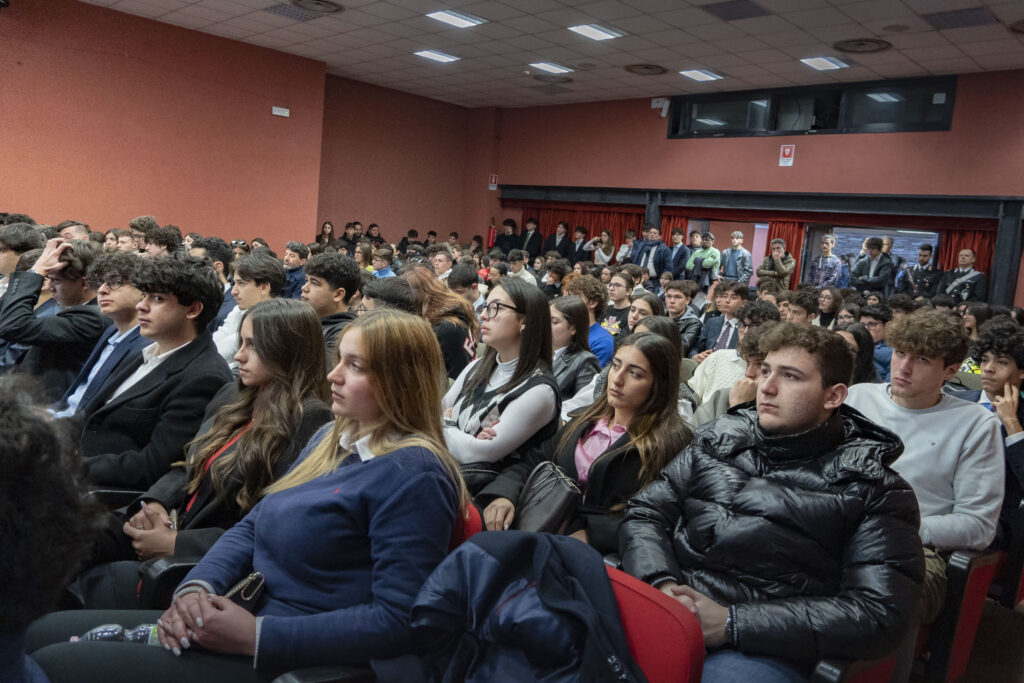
(140, 421)
(781, 526)
(331, 282)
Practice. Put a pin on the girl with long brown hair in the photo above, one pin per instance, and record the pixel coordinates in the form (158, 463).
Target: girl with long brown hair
(615, 448)
(252, 433)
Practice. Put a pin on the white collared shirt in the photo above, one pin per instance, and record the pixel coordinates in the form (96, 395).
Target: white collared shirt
(151, 360)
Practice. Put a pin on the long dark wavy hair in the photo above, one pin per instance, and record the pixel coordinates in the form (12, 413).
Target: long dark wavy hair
(288, 339)
(656, 430)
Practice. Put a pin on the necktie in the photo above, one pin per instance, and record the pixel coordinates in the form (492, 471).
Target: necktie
(723, 338)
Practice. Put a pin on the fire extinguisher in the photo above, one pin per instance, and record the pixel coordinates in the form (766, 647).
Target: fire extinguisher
(491, 234)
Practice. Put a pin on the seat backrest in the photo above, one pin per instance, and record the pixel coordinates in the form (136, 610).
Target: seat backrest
(467, 524)
(687, 366)
(663, 636)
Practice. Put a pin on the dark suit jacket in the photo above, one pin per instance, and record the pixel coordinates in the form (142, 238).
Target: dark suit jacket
(60, 344)
(573, 371)
(226, 307)
(662, 256)
(578, 253)
(709, 336)
(210, 516)
(132, 343)
(976, 289)
(507, 242)
(677, 263)
(532, 245)
(564, 248)
(613, 478)
(882, 279)
(132, 440)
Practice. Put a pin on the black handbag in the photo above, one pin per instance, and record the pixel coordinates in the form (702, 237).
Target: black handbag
(247, 592)
(548, 500)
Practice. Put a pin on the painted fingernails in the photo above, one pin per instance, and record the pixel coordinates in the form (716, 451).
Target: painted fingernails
(177, 652)
(199, 621)
(184, 642)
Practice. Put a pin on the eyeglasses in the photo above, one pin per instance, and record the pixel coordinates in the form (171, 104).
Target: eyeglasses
(239, 243)
(872, 324)
(361, 308)
(113, 282)
(745, 325)
(845, 318)
(615, 284)
(492, 309)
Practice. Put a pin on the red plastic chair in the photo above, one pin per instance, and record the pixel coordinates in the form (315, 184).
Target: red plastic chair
(663, 636)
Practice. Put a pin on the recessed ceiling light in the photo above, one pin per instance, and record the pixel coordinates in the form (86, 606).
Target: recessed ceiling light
(711, 122)
(551, 68)
(436, 56)
(825, 63)
(595, 32)
(701, 75)
(456, 19)
(884, 97)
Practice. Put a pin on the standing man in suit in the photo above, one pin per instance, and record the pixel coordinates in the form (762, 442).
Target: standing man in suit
(560, 241)
(679, 254)
(218, 254)
(58, 344)
(964, 283)
(530, 241)
(139, 423)
(117, 299)
(722, 331)
(577, 253)
(507, 240)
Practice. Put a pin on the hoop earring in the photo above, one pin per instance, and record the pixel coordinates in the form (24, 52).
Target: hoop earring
(521, 329)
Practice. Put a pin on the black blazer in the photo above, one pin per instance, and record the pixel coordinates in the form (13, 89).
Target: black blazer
(564, 248)
(531, 245)
(122, 351)
(613, 479)
(573, 371)
(210, 516)
(132, 440)
(59, 343)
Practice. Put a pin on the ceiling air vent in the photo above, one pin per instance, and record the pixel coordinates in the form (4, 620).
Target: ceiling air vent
(646, 69)
(862, 45)
(318, 6)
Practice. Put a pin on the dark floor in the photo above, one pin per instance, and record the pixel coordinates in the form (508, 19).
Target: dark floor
(998, 654)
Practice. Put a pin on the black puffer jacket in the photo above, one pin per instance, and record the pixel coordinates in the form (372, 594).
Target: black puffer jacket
(811, 536)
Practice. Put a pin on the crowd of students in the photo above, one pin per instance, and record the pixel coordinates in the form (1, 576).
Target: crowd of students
(793, 466)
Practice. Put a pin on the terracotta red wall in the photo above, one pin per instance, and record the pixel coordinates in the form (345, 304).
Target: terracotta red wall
(391, 158)
(624, 144)
(108, 116)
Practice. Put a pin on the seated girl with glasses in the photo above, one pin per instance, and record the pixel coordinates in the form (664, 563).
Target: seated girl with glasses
(344, 541)
(505, 402)
(252, 432)
(615, 448)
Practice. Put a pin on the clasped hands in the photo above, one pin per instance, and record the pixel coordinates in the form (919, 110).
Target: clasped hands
(710, 614)
(151, 531)
(210, 621)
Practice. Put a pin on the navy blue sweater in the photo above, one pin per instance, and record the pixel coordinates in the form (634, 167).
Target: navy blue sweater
(343, 555)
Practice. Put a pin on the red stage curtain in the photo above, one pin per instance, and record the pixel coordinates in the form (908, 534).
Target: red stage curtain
(594, 217)
(793, 233)
(983, 244)
(936, 223)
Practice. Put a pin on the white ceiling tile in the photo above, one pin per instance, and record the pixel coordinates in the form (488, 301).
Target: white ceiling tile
(362, 18)
(527, 42)
(1006, 46)
(186, 20)
(798, 52)
(875, 10)
(493, 11)
(266, 41)
(528, 24)
(758, 26)
(765, 56)
(653, 6)
(723, 61)
(536, 6)
(701, 50)
(904, 25)
(227, 31)
(656, 54)
(746, 70)
(993, 62)
(919, 54)
(686, 18)
(928, 6)
(204, 11)
(608, 10)
(672, 38)
(388, 11)
(744, 44)
(717, 31)
(782, 6)
(496, 31)
(270, 20)
(788, 39)
(912, 40)
(398, 29)
(954, 66)
(631, 43)
(831, 34)
(976, 34)
(642, 23)
(815, 18)
(142, 9)
(1008, 12)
